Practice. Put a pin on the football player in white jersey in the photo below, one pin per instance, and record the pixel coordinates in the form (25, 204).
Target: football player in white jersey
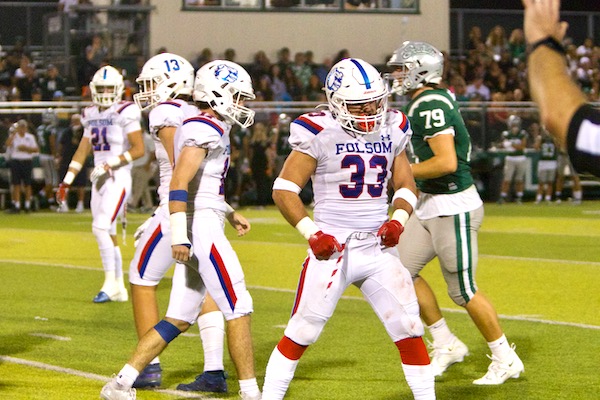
(166, 83)
(201, 161)
(113, 132)
(351, 152)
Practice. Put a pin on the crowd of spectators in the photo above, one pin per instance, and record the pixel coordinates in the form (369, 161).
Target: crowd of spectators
(492, 72)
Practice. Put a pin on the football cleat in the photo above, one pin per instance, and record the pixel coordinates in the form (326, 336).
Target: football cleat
(444, 356)
(208, 381)
(113, 391)
(101, 297)
(246, 396)
(151, 376)
(499, 372)
(120, 296)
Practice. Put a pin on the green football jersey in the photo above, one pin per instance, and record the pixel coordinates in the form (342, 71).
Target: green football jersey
(431, 112)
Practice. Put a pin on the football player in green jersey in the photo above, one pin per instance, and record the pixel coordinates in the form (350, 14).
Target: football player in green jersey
(448, 214)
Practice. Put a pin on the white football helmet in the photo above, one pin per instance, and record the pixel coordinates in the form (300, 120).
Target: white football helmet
(419, 63)
(107, 86)
(514, 123)
(163, 76)
(225, 85)
(356, 84)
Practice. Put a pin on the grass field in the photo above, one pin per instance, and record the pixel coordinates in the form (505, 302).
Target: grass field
(538, 264)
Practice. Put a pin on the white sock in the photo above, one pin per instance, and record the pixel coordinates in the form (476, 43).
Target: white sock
(420, 379)
(249, 387)
(212, 332)
(155, 360)
(279, 374)
(108, 263)
(441, 333)
(118, 267)
(500, 348)
(127, 376)
(577, 194)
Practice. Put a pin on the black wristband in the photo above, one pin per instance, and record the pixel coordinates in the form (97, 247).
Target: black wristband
(549, 42)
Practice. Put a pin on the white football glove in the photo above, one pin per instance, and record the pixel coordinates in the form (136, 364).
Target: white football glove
(99, 171)
(140, 231)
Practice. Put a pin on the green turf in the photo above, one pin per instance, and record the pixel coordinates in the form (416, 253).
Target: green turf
(539, 264)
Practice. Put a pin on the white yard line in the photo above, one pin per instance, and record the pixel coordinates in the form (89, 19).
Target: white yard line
(96, 377)
(453, 310)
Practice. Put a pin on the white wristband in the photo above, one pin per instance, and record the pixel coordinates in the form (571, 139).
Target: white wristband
(307, 227)
(114, 161)
(75, 165)
(128, 157)
(284, 184)
(407, 195)
(230, 209)
(401, 216)
(69, 176)
(178, 228)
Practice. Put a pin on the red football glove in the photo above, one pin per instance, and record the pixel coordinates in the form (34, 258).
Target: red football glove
(323, 245)
(390, 233)
(61, 193)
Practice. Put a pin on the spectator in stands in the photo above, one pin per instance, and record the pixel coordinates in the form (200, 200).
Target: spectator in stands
(229, 54)
(586, 49)
(96, 55)
(477, 87)
(67, 145)
(277, 83)
(517, 46)
(205, 56)
(496, 41)
(21, 145)
(260, 66)
(314, 91)
(5, 75)
(25, 78)
(50, 83)
(343, 53)
(475, 39)
(584, 74)
(284, 58)
(301, 70)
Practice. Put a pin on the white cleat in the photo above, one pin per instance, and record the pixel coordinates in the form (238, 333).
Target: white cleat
(444, 356)
(246, 396)
(121, 295)
(113, 391)
(499, 372)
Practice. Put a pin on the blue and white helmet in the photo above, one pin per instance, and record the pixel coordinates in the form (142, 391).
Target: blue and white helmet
(107, 86)
(225, 85)
(354, 82)
(163, 76)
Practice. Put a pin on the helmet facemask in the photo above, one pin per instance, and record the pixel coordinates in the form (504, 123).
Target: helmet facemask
(107, 87)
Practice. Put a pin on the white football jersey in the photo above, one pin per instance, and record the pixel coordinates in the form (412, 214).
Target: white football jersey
(350, 182)
(107, 129)
(168, 113)
(207, 188)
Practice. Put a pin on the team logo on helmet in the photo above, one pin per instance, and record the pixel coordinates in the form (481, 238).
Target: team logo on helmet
(334, 80)
(226, 73)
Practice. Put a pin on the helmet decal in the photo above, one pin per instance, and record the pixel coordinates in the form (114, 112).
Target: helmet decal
(334, 80)
(226, 73)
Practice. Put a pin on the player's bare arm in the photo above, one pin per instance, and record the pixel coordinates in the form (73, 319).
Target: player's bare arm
(298, 168)
(187, 165)
(167, 136)
(402, 177)
(238, 222)
(137, 148)
(442, 163)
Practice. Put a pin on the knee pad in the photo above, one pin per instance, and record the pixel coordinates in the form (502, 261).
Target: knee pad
(304, 331)
(167, 330)
(243, 306)
(102, 237)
